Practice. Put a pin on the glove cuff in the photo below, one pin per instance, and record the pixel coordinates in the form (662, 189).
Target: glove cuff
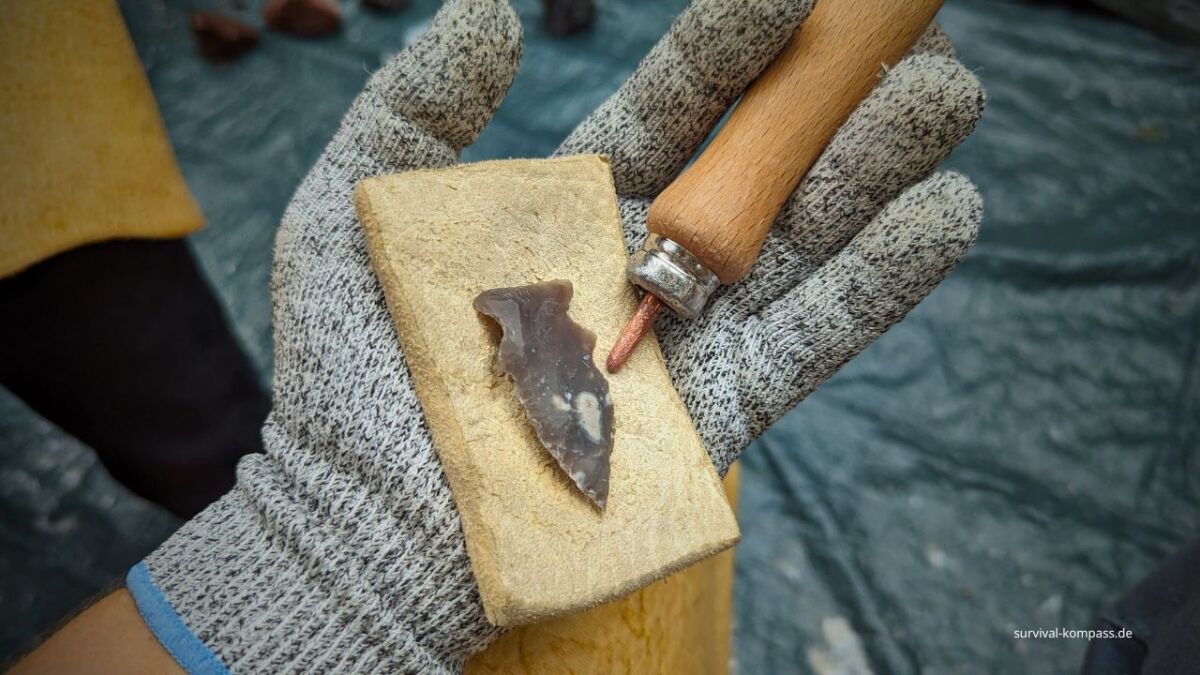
(255, 583)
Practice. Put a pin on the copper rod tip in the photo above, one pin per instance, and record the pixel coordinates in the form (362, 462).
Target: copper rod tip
(639, 324)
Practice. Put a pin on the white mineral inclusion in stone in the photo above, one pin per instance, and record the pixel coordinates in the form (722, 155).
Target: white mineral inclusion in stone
(587, 411)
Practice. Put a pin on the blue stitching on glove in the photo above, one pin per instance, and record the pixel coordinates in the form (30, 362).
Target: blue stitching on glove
(172, 633)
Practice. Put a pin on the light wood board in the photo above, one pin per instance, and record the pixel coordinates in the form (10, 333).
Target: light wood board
(538, 547)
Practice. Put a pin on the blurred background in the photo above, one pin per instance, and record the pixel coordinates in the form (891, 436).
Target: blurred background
(1016, 453)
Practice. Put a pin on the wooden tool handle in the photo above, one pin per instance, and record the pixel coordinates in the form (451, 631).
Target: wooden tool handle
(722, 206)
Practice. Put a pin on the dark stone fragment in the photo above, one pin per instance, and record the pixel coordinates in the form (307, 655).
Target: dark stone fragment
(220, 38)
(386, 5)
(549, 358)
(303, 18)
(565, 17)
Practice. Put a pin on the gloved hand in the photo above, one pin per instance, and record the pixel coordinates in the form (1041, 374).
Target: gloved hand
(340, 548)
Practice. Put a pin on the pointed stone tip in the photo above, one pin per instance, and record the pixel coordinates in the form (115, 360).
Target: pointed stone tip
(592, 492)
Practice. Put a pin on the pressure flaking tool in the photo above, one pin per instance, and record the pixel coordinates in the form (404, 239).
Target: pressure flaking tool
(707, 227)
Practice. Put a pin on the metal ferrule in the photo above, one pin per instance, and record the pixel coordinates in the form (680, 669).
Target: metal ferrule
(670, 272)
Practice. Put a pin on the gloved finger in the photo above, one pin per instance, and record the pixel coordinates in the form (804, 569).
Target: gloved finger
(433, 98)
(934, 41)
(807, 334)
(653, 124)
(897, 136)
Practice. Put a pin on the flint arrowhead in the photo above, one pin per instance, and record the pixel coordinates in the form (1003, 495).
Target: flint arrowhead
(549, 359)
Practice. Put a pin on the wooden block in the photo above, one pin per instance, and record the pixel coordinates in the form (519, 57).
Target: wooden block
(85, 156)
(677, 625)
(538, 547)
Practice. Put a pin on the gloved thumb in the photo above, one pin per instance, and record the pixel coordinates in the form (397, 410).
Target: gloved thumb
(432, 99)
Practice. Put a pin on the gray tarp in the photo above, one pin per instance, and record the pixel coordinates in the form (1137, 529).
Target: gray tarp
(1015, 453)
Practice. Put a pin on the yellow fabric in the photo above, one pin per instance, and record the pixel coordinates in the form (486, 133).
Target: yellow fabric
(83, 153)
(677, 625)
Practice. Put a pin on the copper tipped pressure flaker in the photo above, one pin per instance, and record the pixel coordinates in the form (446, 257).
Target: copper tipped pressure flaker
(671, 276)
(722, 206)
(633, 332)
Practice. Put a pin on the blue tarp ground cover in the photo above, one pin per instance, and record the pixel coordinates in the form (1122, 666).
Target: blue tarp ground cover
(1016, 452)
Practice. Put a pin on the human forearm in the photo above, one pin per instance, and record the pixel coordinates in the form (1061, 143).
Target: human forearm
(108, 637)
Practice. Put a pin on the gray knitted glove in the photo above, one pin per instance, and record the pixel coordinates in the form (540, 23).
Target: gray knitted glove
(340, 549)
